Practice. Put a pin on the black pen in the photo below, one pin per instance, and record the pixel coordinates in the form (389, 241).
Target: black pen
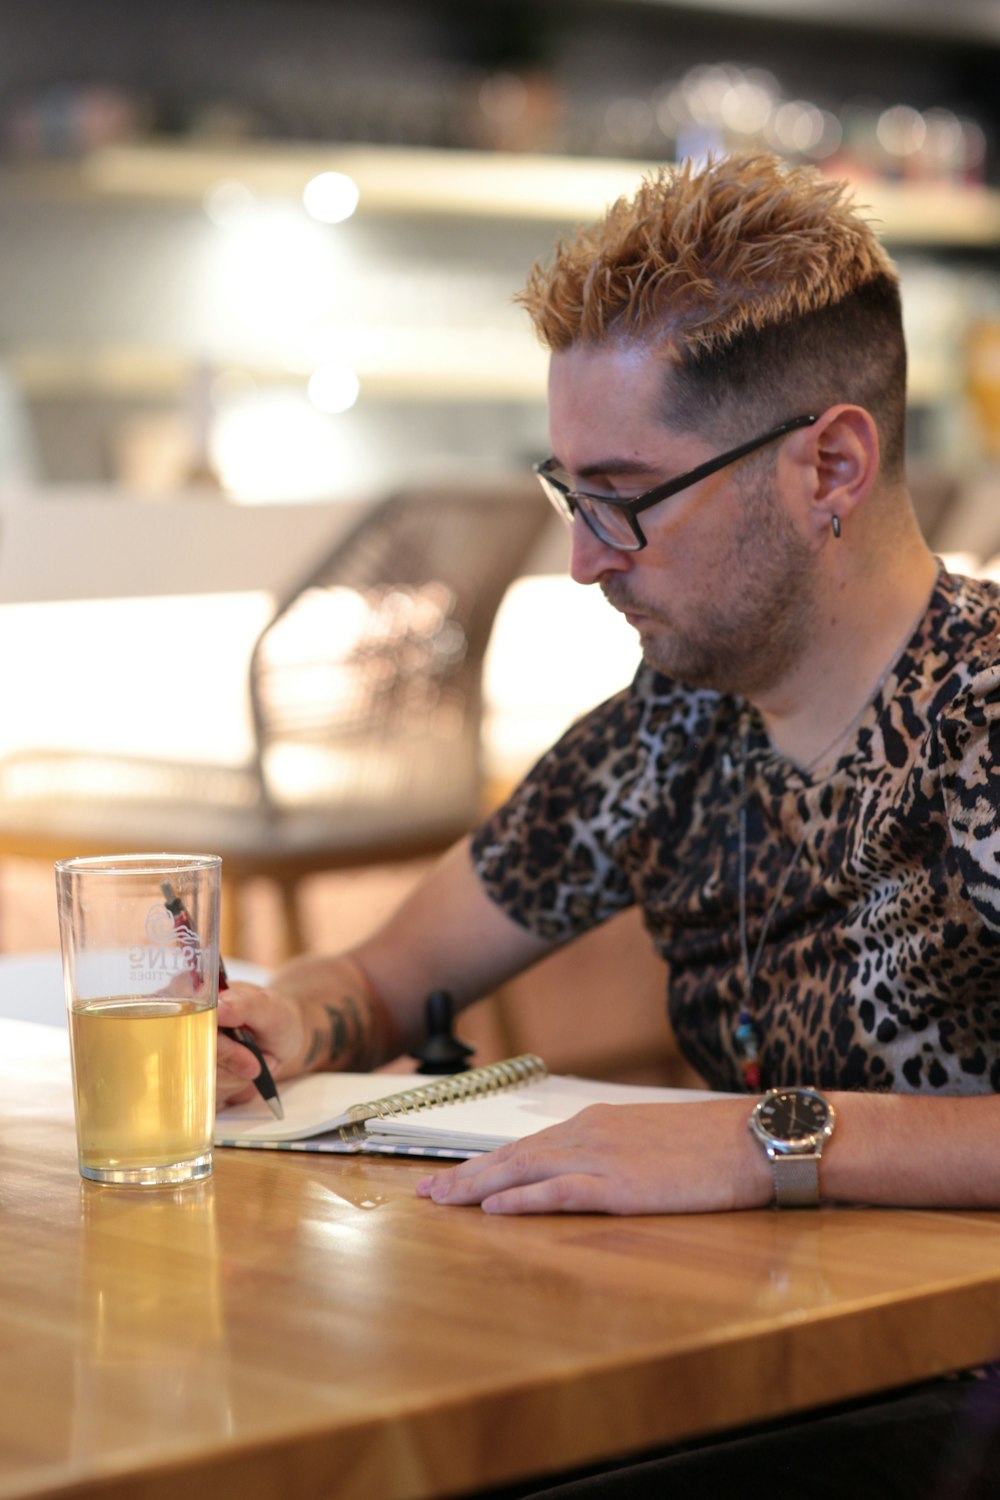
(263, 1083)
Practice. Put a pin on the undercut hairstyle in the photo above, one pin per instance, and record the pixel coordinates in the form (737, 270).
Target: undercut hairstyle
(766, 290)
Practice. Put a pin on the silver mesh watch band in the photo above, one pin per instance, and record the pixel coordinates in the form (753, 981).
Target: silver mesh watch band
(796, 1180)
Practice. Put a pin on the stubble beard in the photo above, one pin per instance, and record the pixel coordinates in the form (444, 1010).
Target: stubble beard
(750, 632)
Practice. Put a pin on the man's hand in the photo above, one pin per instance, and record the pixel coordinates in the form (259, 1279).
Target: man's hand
(278, 1027)
(620, 1159)
(314, 1013)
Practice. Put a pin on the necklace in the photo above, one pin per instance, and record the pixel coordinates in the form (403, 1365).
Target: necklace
(747, 1036)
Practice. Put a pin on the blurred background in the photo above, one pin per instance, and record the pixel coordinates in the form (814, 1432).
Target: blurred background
(257, 266)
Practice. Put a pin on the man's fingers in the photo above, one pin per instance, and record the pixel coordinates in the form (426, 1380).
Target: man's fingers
(241, 1004)
(539, 1184)
(233, 1057)
(577, 1193)
(509, 1167)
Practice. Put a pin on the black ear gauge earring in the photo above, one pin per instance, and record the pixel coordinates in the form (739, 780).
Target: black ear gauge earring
(835, 524)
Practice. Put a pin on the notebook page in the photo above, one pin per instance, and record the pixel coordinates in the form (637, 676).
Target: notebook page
(313, 1103)
(491, 1121)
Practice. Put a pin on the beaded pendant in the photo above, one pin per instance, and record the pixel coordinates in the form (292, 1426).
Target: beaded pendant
(748, 1046)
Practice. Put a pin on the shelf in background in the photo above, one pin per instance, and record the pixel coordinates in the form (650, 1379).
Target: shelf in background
(515, 371)
(413, 180)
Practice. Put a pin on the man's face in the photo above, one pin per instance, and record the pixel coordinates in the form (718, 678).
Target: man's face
(722, 596)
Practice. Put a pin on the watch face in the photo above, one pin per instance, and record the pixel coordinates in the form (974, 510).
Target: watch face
(793, 1114)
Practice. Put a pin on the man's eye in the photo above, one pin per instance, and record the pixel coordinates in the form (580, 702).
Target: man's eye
(609, 489)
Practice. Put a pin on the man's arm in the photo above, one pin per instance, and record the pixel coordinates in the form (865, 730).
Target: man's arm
(363, 1007)
(893, 1149)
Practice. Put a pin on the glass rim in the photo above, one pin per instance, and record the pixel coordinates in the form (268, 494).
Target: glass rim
(136, 864)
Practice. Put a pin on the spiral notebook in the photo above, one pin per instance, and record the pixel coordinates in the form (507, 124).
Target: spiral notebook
(458, 1116)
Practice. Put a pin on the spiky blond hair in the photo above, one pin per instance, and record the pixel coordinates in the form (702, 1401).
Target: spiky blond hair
(698, 257)
(762, 281)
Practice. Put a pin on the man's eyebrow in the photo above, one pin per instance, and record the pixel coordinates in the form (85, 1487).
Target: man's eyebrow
(611, 466)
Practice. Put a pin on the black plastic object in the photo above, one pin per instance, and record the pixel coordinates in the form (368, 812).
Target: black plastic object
(443, 1051)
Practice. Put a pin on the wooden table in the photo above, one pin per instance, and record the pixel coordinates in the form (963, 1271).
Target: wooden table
(300, 1326)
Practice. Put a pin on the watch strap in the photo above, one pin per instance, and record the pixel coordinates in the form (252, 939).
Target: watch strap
(796, 1180)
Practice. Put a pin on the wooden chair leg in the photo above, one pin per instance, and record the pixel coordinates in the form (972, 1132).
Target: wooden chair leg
(293, 935)
(229, 918)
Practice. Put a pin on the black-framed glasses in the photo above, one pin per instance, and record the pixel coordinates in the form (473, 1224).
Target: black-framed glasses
(613, 520)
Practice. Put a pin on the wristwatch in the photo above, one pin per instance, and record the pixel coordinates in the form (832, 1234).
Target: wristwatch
(793, 1126)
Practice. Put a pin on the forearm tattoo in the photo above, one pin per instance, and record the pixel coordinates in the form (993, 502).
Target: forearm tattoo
(349, 1038)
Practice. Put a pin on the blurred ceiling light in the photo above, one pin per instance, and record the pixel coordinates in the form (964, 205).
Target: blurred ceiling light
(746, 107)
(763, 78)
(704, 89)
(797, 126)
(901, 130)
(943, 142)
(227, 203)
(331, 197)
(275, 446)
(973, 145)
(333, 388)
(273, 267)
(831, 138)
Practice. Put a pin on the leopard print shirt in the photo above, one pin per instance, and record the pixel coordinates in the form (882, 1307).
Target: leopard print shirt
(881, 966)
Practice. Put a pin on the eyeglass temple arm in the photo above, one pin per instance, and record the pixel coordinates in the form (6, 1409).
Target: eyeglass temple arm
(672, 486)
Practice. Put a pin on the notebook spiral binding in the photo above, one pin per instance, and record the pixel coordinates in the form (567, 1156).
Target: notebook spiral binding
(493, 1078)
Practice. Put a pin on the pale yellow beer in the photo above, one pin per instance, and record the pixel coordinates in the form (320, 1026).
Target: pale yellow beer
(143, 1077)
(140, 946)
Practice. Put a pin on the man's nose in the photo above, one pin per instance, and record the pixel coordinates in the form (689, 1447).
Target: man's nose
(590, 558)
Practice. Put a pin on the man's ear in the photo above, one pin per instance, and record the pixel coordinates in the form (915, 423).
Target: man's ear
(839, 463)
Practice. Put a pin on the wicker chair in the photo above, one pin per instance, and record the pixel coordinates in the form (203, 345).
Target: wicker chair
(365, 688)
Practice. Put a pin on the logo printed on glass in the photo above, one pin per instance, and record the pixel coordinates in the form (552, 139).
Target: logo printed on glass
(172, 949)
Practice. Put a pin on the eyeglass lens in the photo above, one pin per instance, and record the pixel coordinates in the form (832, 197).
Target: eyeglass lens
(607, 522)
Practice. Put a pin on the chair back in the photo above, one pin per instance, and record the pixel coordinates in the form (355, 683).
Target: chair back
(366, 684)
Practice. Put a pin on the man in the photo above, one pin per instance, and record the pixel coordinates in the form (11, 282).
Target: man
(799, 788)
